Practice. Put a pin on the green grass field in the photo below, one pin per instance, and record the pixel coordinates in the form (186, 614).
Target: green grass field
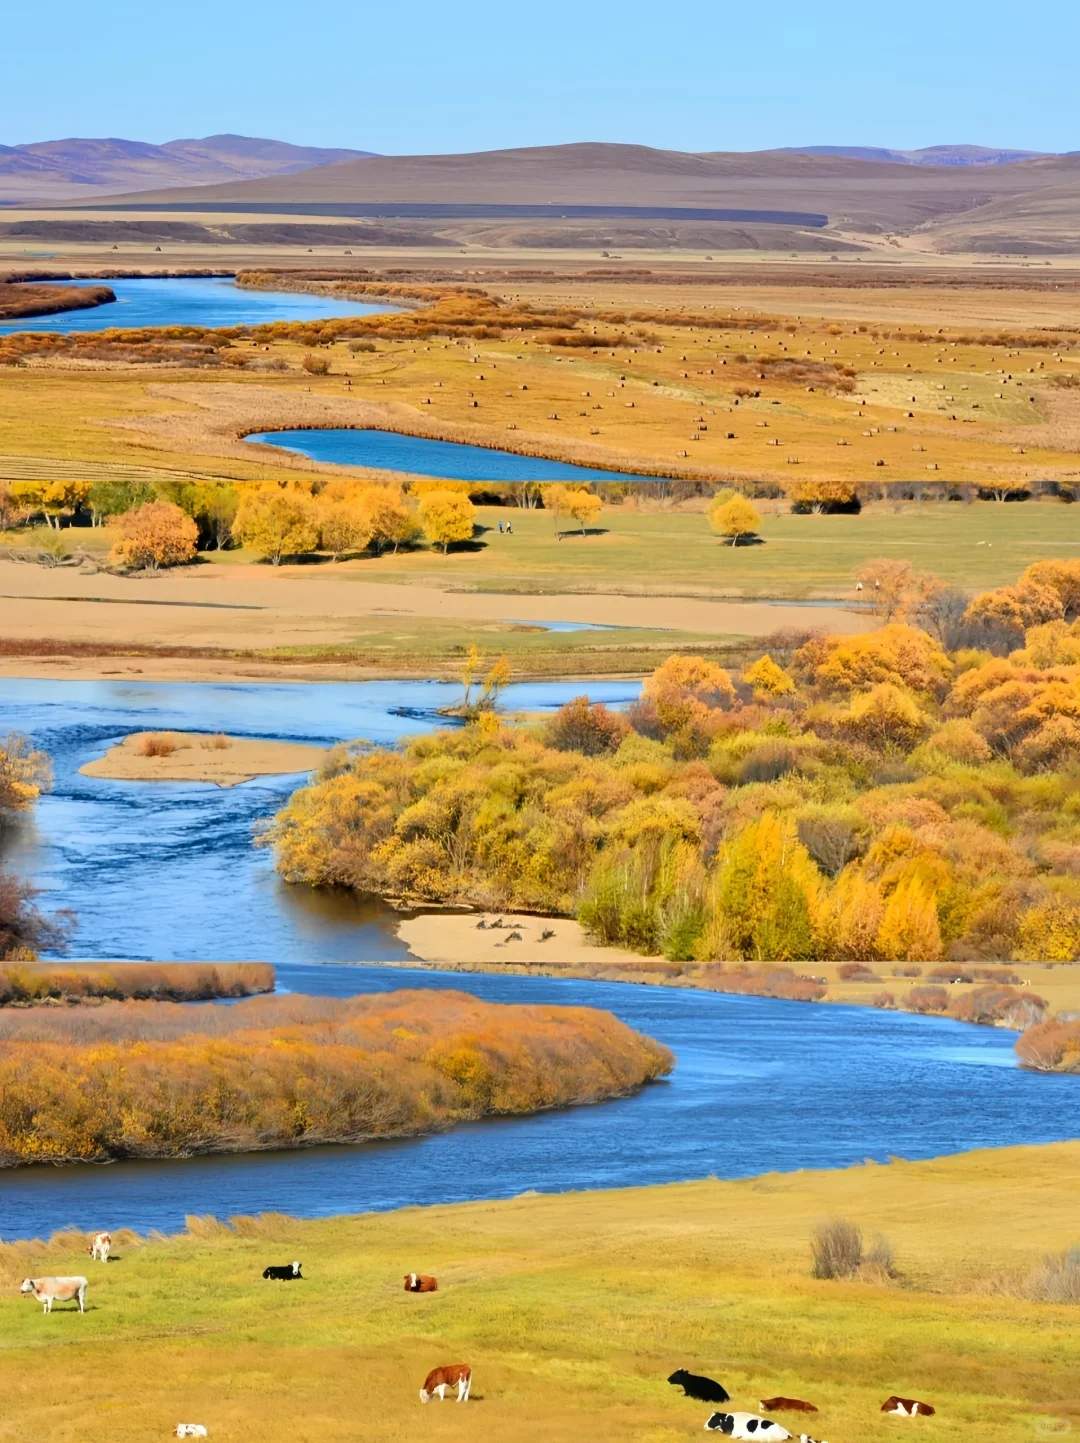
(673, 551)
(974, 547)
(572, 1311)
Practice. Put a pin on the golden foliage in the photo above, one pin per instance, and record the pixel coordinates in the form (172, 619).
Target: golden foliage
(159, 1079)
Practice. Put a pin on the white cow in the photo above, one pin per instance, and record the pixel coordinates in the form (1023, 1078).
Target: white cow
(100, 1247)
(56, 1290)
(748, 1427)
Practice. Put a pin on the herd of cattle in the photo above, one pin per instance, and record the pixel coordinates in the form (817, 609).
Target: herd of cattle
(756, 1426)
(742, 1426)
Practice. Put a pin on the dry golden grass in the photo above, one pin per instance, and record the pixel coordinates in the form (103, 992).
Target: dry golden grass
(979, 393)
(573, 1310)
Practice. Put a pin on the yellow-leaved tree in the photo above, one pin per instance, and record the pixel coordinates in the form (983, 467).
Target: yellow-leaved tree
(765, 895)
(583, 506)
(277, 521)
(344, 525)
(768, 679)
(734, 518)
(909, 930)
(448, 518)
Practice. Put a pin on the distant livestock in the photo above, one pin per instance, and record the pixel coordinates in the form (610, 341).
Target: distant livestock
(695, 1386)
(56, 1290)
(786, 1405)
(454, 1375)
(100, 1247)
(191, 1430)
(283, 1273)
(421, 1283)
(749, 1426)
(907, 1407)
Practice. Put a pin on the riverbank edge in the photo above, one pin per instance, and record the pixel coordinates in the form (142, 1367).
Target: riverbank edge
(454, 942)
(218, 758)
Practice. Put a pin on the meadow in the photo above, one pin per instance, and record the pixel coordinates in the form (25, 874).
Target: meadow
(572, 1310)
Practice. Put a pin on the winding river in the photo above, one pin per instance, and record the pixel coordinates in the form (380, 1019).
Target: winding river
(421, 456)
(168, 871)
(189, 301)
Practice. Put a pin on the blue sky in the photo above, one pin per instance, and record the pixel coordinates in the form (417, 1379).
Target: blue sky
(426, 77)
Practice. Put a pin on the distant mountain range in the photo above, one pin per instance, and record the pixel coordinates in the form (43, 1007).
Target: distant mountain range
(70, 169)
(590, 195)
(929, 155)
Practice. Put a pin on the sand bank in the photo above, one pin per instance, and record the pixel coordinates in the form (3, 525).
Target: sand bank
(196, 757)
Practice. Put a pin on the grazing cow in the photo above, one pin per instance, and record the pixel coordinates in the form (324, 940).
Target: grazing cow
(56, 1290)
(746, 1426)
(457, 1375)
(283, 1273)
(907, 1407)
(100, 1247)
(786, 1405)
(694, 1386)
(421, 1283)
(191, 1430)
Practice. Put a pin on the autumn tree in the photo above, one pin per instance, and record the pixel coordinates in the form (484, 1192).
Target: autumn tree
(768, 680)
(53, 500)
(734, 518)
(909, 930)
(213, 506)
(106, 499)
(448, 517)
(821, 494)
(583, 506)
(153, 535)
(393, 523)
(344, 525)
(277, 521)
(765, 893)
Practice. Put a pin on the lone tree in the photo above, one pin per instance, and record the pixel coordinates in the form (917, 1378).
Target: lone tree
(447, 517)
(153, 535)
(734, 517)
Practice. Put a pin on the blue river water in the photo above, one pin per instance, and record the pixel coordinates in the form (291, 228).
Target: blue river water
(189, 301)
(421, 456)
(168, 871)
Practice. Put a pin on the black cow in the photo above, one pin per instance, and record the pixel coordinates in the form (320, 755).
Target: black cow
(283, 1273)
(694, 1386)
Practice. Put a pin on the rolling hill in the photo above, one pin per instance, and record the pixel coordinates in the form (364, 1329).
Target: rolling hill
(1029, 204)
(51, 170)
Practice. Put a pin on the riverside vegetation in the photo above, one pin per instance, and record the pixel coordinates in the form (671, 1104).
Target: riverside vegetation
(292, 1072)
(908, 795)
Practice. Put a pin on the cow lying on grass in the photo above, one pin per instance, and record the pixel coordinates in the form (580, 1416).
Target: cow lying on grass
(191, 1430)
(748, 1427)
(420, 1283)
(56, 1290)
(453, 1375)
(283, 1272)
(786, 1405)
(907, 1407)
(695, 1386)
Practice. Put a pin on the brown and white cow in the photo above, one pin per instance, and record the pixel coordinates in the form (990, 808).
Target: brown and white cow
(421, 1283)
(907, 1407)
(100, 1247)
(56, 1290)
(453, 1375)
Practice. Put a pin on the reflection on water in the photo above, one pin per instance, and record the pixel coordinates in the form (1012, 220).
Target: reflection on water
(167, 871)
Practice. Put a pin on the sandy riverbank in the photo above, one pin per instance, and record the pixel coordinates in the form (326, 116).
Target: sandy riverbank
(196, 757)
(457, 942)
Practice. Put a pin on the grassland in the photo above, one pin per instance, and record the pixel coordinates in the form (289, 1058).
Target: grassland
(572, 1310)
(931, 391)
